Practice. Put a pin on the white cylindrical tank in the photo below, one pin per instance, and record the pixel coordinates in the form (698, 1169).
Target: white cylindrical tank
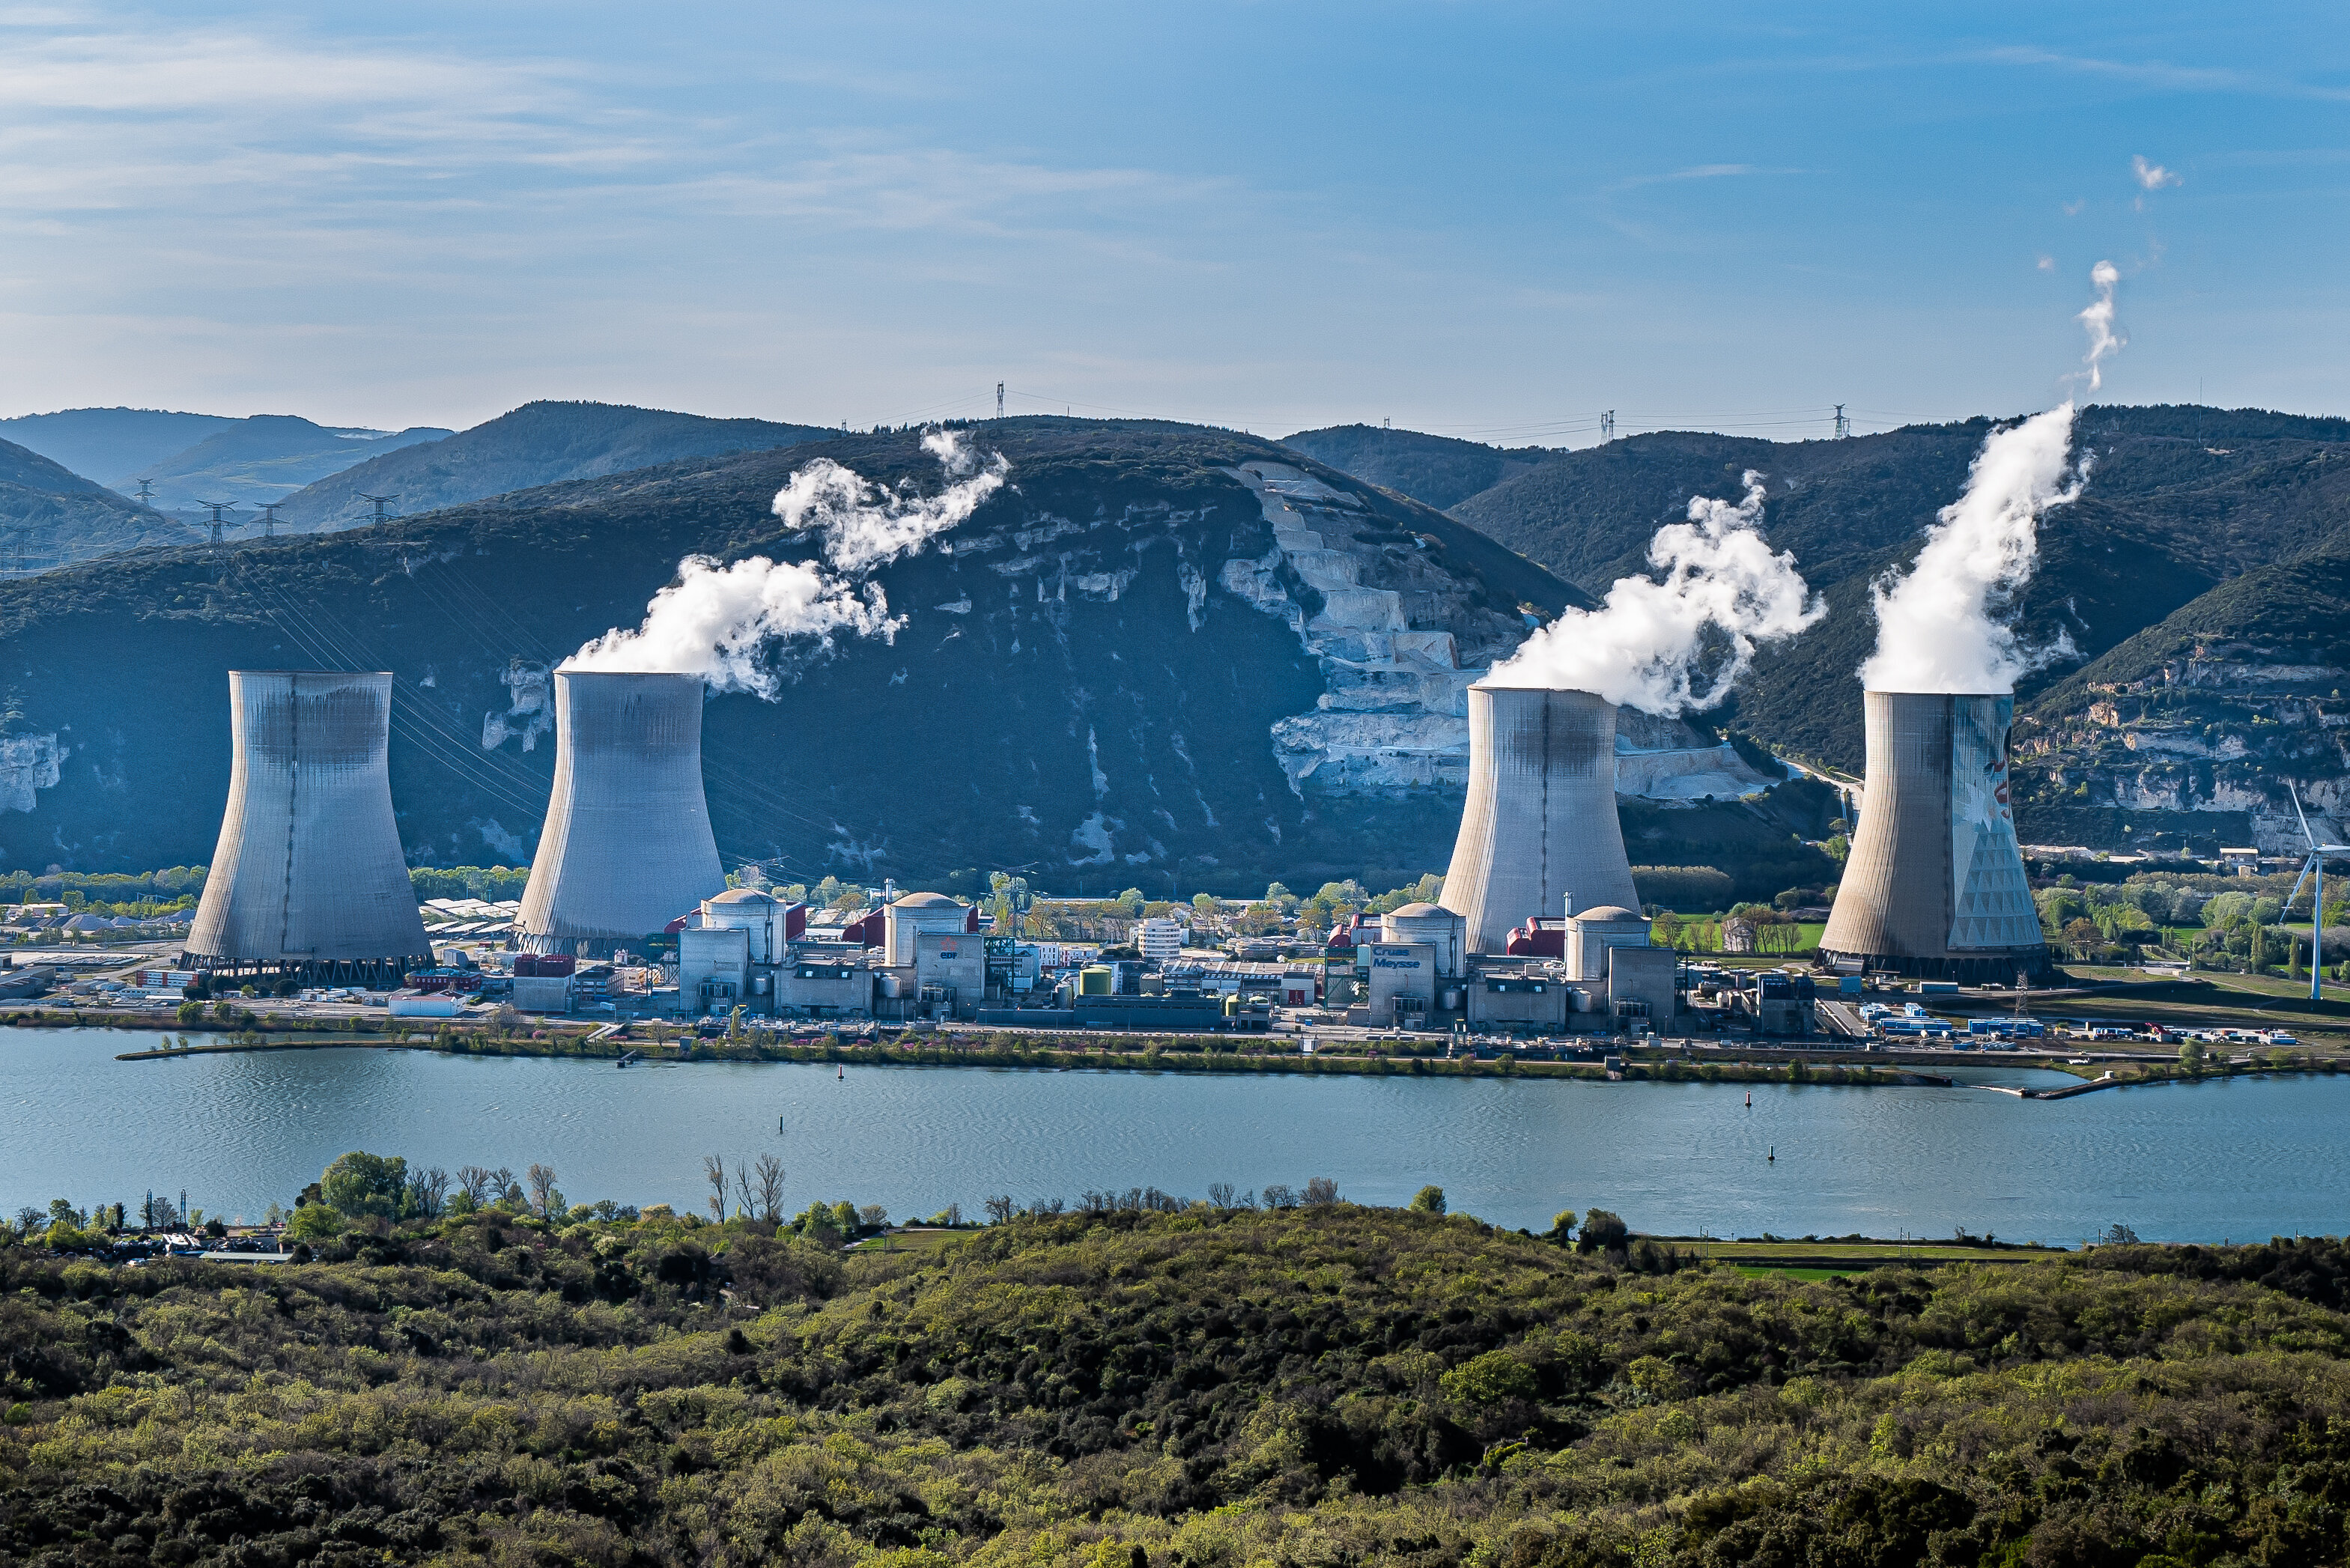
(627, 847)
(308, 869)
(1540, 820)
(1935, 884)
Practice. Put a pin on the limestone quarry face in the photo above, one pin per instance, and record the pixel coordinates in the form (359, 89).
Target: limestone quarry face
(2230, 731)
(29, 764)
(1400, 645)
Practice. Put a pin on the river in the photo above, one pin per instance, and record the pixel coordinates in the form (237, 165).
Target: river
(2225, 1159)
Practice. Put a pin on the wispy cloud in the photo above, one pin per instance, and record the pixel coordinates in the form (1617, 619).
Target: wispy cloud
(2164, 75)
(2151, 176)
(1702, 172)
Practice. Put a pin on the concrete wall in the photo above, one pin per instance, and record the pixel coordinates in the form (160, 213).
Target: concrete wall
(627, 847)
(1642, 974)
(1398, 970)
(1540, 819)
(954, 958)
(310, 864)
(542, 993)
(708, 959)
(1535, 1003)
(1588, 943)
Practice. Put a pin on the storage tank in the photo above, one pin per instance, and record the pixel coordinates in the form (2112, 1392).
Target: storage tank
(627, 847)
(308, 878)
(1934, 885)
(1539, 826)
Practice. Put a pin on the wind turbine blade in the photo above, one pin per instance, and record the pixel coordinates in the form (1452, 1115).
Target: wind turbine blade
(2304, 820)
(2306, 867)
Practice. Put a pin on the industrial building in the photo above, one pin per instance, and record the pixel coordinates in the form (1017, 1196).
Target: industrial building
(308, 882)
(1539, 827)
(627, 847)
(1935, 884)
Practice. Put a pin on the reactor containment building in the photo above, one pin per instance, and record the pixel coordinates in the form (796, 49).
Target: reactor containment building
(627, 847)
(1934, 886)
(308, 881)
(1539, 827)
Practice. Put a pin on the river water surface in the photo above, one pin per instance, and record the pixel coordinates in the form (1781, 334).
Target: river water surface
(2227, 1160)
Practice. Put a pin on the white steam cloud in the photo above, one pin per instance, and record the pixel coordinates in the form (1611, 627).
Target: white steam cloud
(1723, 591)
(716, 620)
(864, 525)
(1938, 629)
(1934, 627)
(2099, 320)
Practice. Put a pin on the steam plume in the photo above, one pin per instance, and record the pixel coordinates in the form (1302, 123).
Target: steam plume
(864, 525)
(2099, 320)
(715, 620)
(1722, 591)
(1935, 628)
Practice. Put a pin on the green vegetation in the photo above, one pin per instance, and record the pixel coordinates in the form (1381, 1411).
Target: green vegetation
(1205, 1385)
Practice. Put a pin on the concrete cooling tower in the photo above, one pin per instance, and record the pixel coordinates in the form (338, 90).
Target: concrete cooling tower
(1540, 823)
(309, 879)
(1935, 884)
(627, 847)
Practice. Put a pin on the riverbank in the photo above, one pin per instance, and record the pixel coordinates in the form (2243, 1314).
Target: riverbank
(1165, 1054)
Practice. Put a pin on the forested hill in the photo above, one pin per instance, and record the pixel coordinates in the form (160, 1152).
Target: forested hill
(1205, 1387)
(536, 444)
(2181, 503)
(1088, 684)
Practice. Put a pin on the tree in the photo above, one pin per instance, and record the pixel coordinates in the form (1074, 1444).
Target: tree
(475, 1182)
(759, 1189)
(359, 1183)
(1221, 1193)
(873, 1217)
(315, 1222)
(1428, 1200)
(1280, 1195)
(427, 1192)
(542, 1188)
(2082, 937)
(1562, 1227)
(999, 1210)
(1603, 1232)
(1320, 1191)
(714, 1170)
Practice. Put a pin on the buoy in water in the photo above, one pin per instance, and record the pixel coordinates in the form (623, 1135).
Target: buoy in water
(1773, 1158)
(1750, 1099)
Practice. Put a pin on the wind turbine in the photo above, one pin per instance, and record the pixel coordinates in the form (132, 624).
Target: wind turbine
(2314, 867)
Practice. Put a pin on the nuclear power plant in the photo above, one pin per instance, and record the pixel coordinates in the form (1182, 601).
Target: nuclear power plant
(627, 847)
(308, 881)
(1539, 827)
(1935, 884)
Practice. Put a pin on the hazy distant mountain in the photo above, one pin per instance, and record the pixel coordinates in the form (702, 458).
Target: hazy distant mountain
(539, 443)
(51, 517)
(107, 443)
(1436, 471)
(265, 458)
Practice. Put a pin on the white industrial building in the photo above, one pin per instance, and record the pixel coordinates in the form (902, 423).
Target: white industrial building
(1159, 939)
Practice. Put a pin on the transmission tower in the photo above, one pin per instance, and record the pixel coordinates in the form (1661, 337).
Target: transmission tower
(1608, 426)
(999, 399)
(269, 518)
(380, 503)
(1843, 425)
(218, 507)
(146, 491)
(17, 536)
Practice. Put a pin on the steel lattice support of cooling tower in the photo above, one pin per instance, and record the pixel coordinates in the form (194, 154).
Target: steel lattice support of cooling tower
(1935, 884)
(309, 879)
(1540, 821)
(627, 847)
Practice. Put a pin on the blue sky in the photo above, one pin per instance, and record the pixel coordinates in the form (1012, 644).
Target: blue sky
(1487, 220)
